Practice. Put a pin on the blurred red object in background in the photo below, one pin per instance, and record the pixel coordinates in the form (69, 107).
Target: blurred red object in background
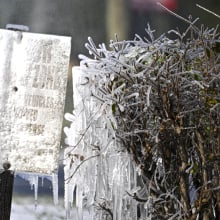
(170, 4)
(144, 5)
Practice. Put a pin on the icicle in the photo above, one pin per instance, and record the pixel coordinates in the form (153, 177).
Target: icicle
(35, 184)
(55, 188)
(95, 168)
(79, 201)
(69, 185)
(33, 181)
(42, 181)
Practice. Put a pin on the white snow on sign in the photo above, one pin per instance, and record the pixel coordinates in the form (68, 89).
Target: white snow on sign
(33, 78)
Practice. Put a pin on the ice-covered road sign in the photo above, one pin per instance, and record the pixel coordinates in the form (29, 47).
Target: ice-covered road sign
(33, 78)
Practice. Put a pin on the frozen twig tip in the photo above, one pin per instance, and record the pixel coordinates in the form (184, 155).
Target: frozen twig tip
(207, 10)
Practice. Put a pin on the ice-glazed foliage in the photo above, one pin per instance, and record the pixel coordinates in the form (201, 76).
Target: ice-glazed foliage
(96, 170)
(164, 95)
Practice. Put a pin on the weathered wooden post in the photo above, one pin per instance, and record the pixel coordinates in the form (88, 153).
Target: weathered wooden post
(33, 79)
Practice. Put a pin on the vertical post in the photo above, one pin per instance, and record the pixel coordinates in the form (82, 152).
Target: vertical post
(117, 18)
(6, 188)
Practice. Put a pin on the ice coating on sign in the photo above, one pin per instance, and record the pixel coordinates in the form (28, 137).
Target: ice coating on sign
(97, 172)
(33, 78)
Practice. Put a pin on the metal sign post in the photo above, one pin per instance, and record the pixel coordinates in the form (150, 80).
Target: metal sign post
(6, 188)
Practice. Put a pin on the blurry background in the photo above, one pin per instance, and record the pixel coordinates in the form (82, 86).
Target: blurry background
(100, 19)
